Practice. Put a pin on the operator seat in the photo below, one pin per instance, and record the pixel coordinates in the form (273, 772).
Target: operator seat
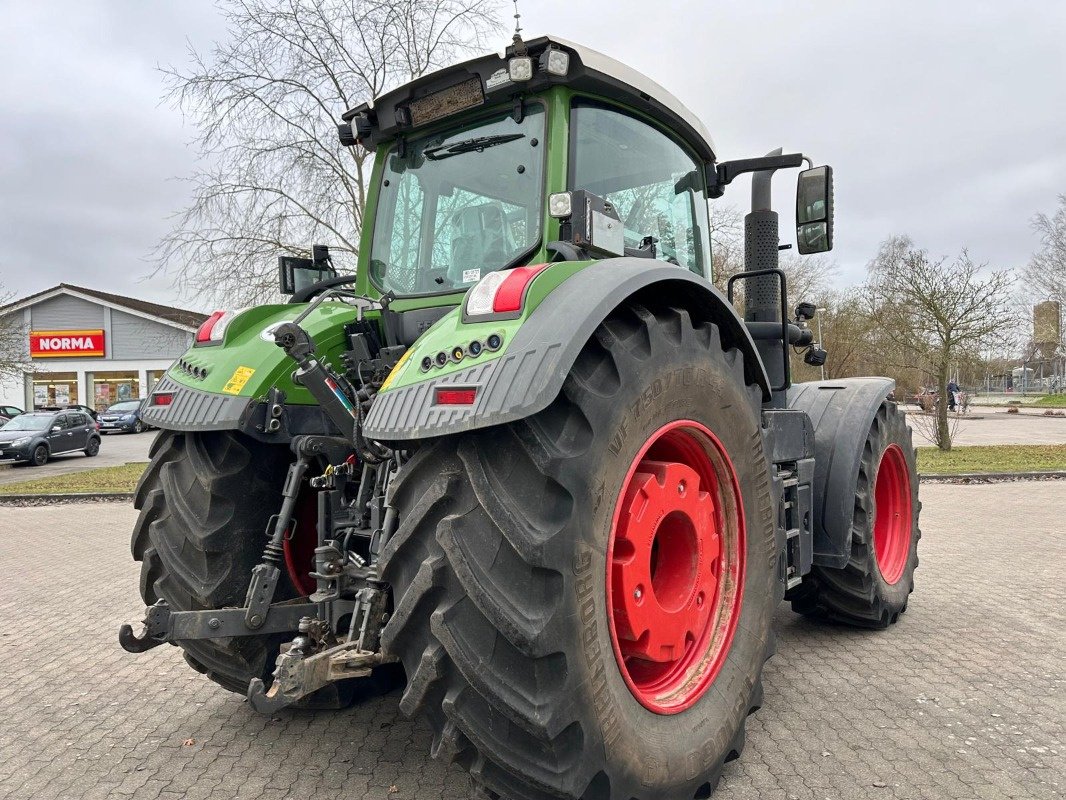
(481, 238)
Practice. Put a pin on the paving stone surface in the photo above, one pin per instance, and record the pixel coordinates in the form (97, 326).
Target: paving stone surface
(964, 698)
(985, 426)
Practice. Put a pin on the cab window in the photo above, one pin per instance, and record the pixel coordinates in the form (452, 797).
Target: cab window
(652, 181)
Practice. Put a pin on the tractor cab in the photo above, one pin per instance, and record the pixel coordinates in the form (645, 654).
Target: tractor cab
(474, 166)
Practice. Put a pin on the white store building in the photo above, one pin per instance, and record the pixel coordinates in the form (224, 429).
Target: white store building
(93, 348)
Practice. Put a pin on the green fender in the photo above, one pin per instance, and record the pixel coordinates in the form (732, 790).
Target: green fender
(539, 353)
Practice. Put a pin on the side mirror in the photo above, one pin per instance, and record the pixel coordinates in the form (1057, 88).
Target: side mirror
(296, 274)
(57, 428)
(814, 210)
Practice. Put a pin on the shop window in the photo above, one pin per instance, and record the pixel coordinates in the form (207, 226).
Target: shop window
(114, 387)
(55, 389)
(154, 376)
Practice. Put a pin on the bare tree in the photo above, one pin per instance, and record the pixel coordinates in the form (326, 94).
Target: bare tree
(932, 311)
(13, 352)
(809, 277)
(266, 104)
(1045, 274)
(727, 243)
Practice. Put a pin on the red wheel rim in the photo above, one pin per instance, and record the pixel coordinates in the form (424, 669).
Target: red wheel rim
(675, 567)
(299, 545)
(892, 514)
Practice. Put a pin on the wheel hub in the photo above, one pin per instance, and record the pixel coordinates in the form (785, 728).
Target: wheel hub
(675, 566)
(664, 575)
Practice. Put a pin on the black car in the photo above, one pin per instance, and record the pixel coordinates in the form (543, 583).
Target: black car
(38, 435)
(123, 416)
(72, 407)
(9, 412)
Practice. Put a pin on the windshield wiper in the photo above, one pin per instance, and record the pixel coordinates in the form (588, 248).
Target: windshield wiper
(475, 145)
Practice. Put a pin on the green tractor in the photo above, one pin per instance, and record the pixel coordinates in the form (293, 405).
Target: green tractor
(527, 462)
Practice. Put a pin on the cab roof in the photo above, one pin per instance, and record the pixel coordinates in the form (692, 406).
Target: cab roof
(453, 89)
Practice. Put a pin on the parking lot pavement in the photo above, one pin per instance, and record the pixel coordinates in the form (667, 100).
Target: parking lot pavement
(962, 699)
(115, 449)
(996, 426)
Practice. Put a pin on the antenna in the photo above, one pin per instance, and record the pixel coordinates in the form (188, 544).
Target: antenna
(517, 23)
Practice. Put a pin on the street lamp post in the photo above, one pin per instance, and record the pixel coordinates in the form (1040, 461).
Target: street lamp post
(821, 342)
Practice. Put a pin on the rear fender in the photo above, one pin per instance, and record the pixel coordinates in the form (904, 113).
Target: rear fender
(539, 355)
(841, 413)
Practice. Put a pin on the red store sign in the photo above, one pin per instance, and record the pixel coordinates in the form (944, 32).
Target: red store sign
(66, 344)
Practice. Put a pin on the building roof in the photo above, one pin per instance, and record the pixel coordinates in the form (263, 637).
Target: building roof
(177, 316)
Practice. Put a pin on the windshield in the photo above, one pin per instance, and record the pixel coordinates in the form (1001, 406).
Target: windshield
(28, 422)
(459, 205)
(125, 405)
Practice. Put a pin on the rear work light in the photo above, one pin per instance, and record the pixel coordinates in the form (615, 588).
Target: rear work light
(455, 397)
(501, 292)
(214, 327)
(162, 399)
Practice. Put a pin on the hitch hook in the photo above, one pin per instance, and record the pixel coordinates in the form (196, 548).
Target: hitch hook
(132, 643)
(266, 701)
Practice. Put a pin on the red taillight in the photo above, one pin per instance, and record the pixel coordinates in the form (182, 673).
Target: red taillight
(162, 399)
(203, 333)
(500, 292)
(454, 397)
(509, 295)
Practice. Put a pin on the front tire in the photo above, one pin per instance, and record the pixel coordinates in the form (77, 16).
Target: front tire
(530, 676)
(39, 457)
(872, 590)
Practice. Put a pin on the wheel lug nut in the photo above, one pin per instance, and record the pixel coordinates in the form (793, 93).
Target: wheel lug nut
(638, 593)
(681, 488)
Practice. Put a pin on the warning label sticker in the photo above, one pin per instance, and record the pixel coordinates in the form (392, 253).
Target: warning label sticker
(237, 380)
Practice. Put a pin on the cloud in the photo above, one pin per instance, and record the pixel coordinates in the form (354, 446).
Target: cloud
(942, 120)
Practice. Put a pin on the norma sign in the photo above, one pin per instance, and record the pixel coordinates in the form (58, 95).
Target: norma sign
(66, 344)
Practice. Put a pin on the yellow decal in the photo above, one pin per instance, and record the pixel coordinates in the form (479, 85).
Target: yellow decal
(237, 380)
(397, 369)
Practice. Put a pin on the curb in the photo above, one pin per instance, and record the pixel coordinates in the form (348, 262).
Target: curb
(58, 499)
(992, 477)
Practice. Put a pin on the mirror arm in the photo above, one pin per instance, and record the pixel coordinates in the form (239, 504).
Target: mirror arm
(721, 175)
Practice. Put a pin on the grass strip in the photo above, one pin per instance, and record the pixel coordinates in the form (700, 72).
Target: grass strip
(102, 479)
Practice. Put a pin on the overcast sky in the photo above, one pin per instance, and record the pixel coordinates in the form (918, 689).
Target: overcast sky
(942, 120)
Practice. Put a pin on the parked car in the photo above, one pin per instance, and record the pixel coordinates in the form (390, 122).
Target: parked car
(9, 412)
(74, 407)
(123, 416)
(36, 436)
(71, 407)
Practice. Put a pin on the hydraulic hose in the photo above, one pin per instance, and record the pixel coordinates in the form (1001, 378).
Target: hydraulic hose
(317, 377)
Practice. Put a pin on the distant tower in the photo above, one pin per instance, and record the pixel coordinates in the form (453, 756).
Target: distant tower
(1047, 328)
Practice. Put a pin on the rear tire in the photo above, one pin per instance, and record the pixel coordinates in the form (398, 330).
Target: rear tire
(872, 590)
(93, 447)
(500, 578)
(205, 500)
